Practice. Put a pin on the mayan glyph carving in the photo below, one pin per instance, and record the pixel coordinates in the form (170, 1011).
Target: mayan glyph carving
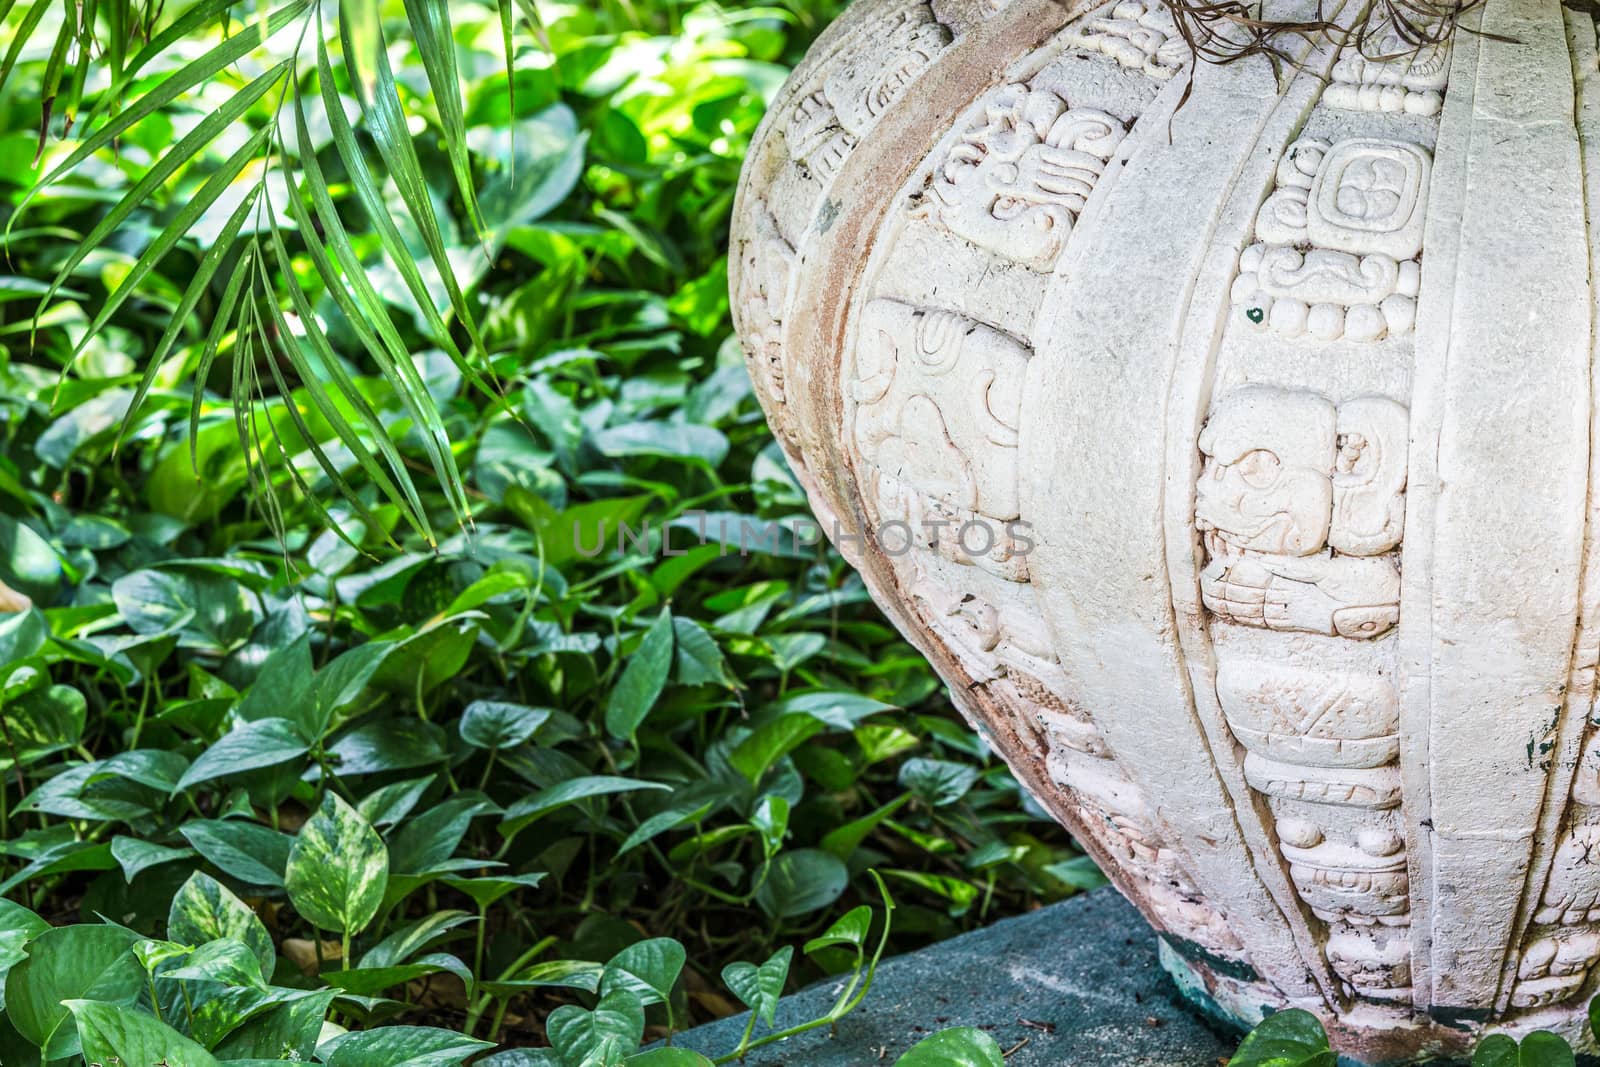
(1387, 73)
(1139, 34)
(1281, 583)
(1337, 243)
(825, 126)
(1017, 180)
(1280, 468)
(1117, 813)
(1563, 943)
(938, 404)
(761, 298)
(1300, 505)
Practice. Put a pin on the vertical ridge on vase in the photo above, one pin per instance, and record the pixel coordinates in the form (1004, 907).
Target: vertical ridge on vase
(934, 370)
(828, 255)
(1489, 665)
(1558, 930)
(1095, 399)
(1292, 379)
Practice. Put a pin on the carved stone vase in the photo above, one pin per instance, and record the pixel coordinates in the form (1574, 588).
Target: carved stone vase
(1224, 436)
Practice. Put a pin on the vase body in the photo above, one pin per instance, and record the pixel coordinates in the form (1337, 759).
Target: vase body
(1225, 440)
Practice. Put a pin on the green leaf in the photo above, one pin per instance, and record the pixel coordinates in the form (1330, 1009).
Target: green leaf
(770, 742)
(700, 661)
(661, 822)
(560, 795)
(649, 968)
(669, 1057)
(1539, 1049)
(852, 928)
(430, 28)
(1291, 1038)
(70, 963)
(938, 782)
(255, 854)
(248, 747)
(598, 1038)
(485, 891)
(18, 926)
(42, 722)
(385, 744)
(760, 988)
(282, 1032)
(1496, 1050)
(802, 881)
(426, 841)
(228, 961)
(1594, 1017)
(1080, 872)
(642, 680)
(495, 724)
(114, 1034)
(842, 711)
(205, 910)
(282, 690)
(338, 869)
(400, 1046)
(369, 981)
(135, 856)
(963, 1047)
(209, 612)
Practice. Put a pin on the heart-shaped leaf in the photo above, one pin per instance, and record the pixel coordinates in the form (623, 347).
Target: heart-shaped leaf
(1292, 1038)
(338, 869)
(760, 988)
(206, 910)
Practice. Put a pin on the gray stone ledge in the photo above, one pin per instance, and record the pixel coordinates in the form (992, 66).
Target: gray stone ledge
(1079, 982)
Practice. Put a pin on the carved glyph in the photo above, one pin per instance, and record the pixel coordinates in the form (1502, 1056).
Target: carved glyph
(937, 400)
(1139, 34)
(1386, 73)
(1016, 181)
(1563, 943)
(1297, 622)
(1288, 480)
(1337, 243)
(1300, 506)
(825, 126)
(761, 297)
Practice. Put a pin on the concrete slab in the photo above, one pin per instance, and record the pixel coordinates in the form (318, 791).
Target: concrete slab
(1076, 984)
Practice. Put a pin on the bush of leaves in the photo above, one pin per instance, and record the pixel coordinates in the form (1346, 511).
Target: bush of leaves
(338, 344)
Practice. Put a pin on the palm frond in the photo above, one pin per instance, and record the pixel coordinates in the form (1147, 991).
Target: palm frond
(285, 281)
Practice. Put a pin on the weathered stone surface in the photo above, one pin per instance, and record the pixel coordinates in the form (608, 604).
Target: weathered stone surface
(1077, 983)
(1227, 442)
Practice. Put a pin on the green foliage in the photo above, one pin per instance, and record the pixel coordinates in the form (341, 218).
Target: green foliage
(962, 1047)
(352, 702)
(1295, 1038)
(1292, 1038)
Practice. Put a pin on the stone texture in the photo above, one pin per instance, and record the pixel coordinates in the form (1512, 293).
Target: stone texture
(1227, 443)
(1083, 974)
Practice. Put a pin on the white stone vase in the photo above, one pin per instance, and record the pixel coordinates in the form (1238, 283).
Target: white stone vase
(1224, 438)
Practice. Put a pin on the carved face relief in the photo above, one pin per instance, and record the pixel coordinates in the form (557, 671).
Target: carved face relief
(1370, 196)
(1015, 183)
(1265, 486)
(939, 404)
